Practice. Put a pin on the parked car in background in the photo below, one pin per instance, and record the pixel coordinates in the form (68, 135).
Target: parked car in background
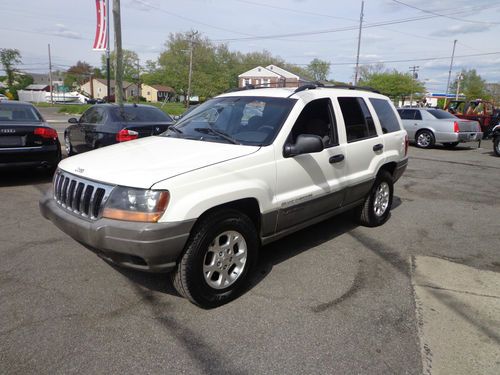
(106, 124)
(482, 111)
(428, 126)
(95, 101)
(495, 134)
(3, 97)
(26, 140)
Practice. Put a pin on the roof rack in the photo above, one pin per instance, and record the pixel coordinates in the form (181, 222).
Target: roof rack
(250, 87)
(312, 86)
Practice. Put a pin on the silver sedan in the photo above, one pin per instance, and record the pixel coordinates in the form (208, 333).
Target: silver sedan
(428, 126)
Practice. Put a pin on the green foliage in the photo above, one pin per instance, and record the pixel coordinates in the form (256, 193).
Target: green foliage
(394, 84)
(131, 67)
(78, 74)
(75, 109)
(319, 69)
(472, 85)
(10, 57)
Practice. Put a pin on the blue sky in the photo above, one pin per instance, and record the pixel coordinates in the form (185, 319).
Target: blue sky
(396, 32)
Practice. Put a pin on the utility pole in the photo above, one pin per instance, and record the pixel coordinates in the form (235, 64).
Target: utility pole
(50, 78)
(414, 75)
(138, 81)
(356, 74)
(460, 77)
(108, 73)
(190, 66)
(449, 72)
(118, 53)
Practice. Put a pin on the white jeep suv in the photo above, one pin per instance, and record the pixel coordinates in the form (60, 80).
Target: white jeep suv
(242, 170)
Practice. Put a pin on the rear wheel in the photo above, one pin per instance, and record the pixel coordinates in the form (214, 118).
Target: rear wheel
(217, 259)
(425, 139)
(377, 206)
(496, 145)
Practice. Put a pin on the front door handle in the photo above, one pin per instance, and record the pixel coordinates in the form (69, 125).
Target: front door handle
(336, 158)
(378, 147)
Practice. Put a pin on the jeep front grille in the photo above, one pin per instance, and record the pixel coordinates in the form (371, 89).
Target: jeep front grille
(82, 197)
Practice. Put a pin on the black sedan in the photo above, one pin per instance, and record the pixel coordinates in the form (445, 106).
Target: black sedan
(106, 124)
(25, 138)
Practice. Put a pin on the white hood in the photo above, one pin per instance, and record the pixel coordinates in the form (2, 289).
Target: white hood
(143, 162)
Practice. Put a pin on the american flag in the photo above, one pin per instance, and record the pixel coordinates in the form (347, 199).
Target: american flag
(101, 37)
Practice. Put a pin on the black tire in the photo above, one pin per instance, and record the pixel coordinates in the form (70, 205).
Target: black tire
(425, 139)
(68, 146)
(496, 145)
(451, 144)
(190, 276)
(371, 213)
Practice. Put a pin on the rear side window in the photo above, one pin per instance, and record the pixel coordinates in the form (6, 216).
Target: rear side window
(140, 114)
(357, 118)
(409, 114)
(386, 115)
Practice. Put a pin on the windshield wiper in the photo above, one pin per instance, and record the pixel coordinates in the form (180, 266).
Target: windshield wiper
(219, 133)
(175, 129)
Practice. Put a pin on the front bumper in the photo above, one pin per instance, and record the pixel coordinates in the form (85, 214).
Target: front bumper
(152, 247)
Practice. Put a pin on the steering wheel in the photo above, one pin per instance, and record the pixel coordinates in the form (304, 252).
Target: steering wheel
(265, 128)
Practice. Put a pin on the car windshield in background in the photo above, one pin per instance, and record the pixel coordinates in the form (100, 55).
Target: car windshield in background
(18, 113)
(140, 114)
(247, 120)
(440, 114)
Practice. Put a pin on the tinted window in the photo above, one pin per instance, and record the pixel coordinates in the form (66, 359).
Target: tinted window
(357, 118)
(316, 118)
(247, 120)
(19, 113)
(440, 114)
(386, 115)
(140, 114)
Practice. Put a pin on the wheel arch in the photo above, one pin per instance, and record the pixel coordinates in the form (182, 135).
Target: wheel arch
(389, 167)
(424, 129)
(248, 206)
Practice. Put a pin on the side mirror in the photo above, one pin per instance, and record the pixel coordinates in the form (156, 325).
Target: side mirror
(73, 120)
(305, 144)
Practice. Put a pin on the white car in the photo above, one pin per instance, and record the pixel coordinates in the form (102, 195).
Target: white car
(428, 126)
(242, 170)
(3, 97)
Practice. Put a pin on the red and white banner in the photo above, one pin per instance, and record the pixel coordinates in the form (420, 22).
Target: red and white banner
(101, 37)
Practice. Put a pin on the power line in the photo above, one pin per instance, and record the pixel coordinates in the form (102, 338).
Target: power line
(444, 15)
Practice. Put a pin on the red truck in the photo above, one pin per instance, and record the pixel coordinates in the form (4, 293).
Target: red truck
(482, 111)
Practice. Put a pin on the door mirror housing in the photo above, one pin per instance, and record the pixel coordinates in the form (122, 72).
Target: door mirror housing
(73, 120)
(305, 144)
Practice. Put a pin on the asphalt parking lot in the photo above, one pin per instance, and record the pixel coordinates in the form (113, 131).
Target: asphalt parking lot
(335, 298)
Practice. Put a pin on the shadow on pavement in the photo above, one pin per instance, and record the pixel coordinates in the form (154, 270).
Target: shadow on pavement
(25, 176)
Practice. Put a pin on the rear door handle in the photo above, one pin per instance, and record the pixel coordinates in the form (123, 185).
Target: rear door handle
(336, 158)
(378, 147)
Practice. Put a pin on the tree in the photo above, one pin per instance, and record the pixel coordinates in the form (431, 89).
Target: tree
(472, 85)
(131, 67)
(10, 57)
(366, 71)
(394, 84)
(319, 69)
(78, 73)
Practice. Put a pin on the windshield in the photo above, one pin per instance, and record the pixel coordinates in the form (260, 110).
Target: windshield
(19, 113)
(140, 114)
(247, 120)
(440, 114)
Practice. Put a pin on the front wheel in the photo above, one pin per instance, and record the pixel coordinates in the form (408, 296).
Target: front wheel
(217, 259)
(377, 206)
(496, 145)
(425, 139)
(67, 145)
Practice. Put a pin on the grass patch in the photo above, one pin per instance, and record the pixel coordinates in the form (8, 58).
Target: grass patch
(172, 109)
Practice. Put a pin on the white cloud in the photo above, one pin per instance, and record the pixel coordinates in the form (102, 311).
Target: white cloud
(63, 31)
